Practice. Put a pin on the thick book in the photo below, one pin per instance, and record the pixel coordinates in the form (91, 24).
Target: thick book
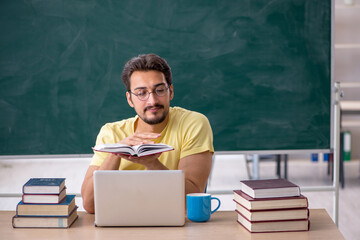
(270, 203)
(44, 221)
(62, 209)
(270, 188)
(272, 215)
(44, 186)
(274, 226)
(44, 198)
(137, 150)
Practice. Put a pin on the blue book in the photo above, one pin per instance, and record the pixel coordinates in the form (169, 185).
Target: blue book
(62, 209)
(44, 186)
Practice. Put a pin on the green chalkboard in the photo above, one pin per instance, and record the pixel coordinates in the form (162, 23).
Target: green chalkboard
(259, 69)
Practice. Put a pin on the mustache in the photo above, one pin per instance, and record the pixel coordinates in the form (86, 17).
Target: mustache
(156, 105)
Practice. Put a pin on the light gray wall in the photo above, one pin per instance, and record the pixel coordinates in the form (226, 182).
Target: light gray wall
(347, 59)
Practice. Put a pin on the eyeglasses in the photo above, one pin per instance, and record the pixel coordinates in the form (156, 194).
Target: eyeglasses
(144, 94)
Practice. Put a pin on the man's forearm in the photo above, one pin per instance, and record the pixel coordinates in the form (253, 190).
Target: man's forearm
(191, 187)
(112, 162)
(197, 169)
(87, 193)
(156, 165)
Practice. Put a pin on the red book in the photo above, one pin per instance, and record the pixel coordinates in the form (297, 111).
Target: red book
(269, 203)
(270, 188)
(135, 151)
(274, 226)
(44, 198)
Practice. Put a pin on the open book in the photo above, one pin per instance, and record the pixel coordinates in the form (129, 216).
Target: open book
(137, 150)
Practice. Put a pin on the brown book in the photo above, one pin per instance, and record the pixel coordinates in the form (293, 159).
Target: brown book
(62, 209)
(274, 226)
(269, 203)
(44, 221)
(272, 215)
(270, 188)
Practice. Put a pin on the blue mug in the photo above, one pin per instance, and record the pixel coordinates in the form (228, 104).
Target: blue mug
(199, 206)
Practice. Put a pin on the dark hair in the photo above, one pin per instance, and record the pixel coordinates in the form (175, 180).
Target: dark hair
(145, 62)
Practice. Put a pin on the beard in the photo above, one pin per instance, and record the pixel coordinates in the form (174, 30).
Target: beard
(158, 118)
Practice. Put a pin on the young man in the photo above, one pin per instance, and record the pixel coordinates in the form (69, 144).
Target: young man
(148, 81)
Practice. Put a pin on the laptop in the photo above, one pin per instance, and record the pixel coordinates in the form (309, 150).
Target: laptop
(139, 198)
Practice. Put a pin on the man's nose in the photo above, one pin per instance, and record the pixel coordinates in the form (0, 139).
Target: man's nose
(153, 98)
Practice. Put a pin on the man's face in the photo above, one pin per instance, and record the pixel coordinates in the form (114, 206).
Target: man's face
(154, 109)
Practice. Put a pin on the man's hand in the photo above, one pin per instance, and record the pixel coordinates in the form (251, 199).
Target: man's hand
(151, 162)
(112, 162)
(140, 138)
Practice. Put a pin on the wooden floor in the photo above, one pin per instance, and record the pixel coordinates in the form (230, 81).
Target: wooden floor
(226, 174)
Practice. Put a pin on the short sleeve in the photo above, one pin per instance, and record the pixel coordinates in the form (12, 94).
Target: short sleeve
(104, 136)
(197, 135)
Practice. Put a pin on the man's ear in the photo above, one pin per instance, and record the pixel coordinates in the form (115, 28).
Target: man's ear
(171, 92)
(128, 97)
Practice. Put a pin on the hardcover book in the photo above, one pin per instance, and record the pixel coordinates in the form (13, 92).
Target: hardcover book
(272, 215)
(44, 198)
(137, 150)
(44, 186)
(44, 221)
(270, 188)
(62, 209)
(274, 226)
(269, 203)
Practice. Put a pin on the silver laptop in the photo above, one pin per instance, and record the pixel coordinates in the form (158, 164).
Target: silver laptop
(139, 198)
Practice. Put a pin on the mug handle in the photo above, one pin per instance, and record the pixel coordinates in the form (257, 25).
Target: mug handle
(217, 206)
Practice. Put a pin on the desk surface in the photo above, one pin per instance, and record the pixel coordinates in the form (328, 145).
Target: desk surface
(222, 225)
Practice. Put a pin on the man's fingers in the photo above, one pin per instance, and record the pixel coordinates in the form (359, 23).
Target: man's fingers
(143, 135)
(140, 138)
(138, 141)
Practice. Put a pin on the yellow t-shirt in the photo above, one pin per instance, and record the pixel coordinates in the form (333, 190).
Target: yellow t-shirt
(187, 132)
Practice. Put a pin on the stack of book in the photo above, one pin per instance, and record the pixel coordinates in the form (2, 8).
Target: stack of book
(45, 205)
(272, 205)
